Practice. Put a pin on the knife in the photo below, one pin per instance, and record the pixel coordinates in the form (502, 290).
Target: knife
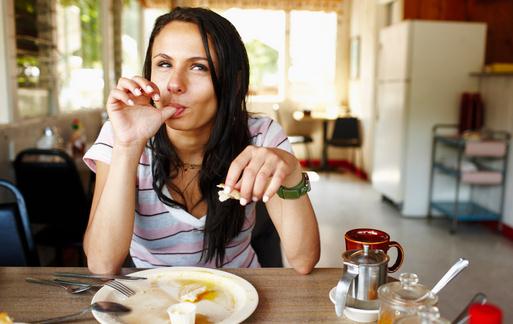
(96, 276)
(77, 283)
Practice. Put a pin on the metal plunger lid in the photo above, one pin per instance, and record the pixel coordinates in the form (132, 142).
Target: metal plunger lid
(366, 256)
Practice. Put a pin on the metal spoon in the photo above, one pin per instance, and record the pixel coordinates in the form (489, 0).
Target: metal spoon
(449, 275)
(69, 288)
(103, 306)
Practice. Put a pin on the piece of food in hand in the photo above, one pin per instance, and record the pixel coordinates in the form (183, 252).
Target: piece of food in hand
(223, 196)
(5, 319)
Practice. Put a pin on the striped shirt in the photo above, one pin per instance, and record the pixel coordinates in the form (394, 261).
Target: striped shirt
(166, 236)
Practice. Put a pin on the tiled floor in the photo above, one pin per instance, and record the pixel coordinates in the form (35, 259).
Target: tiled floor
(343, 202)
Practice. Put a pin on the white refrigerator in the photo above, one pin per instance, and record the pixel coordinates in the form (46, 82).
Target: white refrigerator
(423, 68)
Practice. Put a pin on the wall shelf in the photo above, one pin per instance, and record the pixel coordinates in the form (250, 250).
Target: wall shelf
(491, 74)
(466, 211)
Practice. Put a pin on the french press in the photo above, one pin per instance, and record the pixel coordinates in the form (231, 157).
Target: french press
(364, 271)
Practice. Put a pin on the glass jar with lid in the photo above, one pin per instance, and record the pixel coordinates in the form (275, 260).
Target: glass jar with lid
(424, 315)
(405, 297)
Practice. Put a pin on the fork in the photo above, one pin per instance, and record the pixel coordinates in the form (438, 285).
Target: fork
(120, 287)
(117, 285)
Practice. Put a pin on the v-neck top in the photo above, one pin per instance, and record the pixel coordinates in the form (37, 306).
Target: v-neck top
(167, 236)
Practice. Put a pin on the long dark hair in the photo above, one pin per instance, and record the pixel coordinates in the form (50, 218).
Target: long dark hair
(230, 133)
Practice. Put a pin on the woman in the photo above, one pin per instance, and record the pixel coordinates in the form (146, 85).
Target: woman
(173, 136)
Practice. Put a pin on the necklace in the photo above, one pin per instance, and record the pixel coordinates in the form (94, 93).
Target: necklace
(191, 166)
(189, 183)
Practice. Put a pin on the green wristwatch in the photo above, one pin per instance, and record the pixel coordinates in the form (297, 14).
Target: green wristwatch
(297, 191)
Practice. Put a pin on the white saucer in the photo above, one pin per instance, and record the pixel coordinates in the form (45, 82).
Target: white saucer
(366, 312)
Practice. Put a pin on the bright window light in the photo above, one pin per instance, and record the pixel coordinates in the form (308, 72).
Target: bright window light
(265, 45)
(311, 73)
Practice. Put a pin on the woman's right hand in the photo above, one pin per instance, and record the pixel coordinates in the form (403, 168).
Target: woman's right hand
(134, 120)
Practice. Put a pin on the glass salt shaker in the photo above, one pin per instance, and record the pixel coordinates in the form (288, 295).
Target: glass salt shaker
(402, 298)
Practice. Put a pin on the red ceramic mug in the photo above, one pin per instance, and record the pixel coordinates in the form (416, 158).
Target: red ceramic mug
(376, 239)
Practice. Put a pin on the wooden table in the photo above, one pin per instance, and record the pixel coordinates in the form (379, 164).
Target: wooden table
(284, 295)
(325, 118)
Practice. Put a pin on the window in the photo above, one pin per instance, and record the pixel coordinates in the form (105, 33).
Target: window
(265, 45)
(79, 44)
(307, 75)
(58, 56)
(59, 52)
(131, 35)
(34, 56)
(311, 74)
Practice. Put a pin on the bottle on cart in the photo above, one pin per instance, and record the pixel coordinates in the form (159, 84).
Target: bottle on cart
(77, 140)
(50, 139)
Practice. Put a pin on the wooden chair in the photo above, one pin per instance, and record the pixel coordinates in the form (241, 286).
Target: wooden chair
(17, 246)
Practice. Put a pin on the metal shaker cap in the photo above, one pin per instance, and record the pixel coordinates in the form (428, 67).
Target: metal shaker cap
(48, 131)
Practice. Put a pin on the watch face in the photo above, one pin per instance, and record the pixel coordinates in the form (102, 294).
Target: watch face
(307, 180)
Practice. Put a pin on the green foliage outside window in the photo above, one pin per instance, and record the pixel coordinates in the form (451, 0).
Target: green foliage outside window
(90, 50)
(263, 61)
(29, 42)
(26, 41)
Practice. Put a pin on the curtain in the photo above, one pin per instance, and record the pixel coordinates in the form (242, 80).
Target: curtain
(314, 5)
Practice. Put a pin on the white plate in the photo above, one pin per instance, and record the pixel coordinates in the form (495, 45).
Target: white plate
(358, 311)
(234, 301)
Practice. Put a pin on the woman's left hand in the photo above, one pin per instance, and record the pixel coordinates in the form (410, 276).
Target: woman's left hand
(258, 173)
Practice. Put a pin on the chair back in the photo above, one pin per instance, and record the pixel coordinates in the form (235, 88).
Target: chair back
(291, 126)
(265, 239)
(277, 114)
(346, 132)
(17, 246)
(53, 189)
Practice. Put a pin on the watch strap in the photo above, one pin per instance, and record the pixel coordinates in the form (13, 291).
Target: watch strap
(297, 191)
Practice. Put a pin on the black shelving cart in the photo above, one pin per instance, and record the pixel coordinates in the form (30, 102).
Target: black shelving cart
(488, 157)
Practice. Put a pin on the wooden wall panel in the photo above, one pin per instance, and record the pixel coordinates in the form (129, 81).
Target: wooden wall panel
(434, 9)
(498, 14)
